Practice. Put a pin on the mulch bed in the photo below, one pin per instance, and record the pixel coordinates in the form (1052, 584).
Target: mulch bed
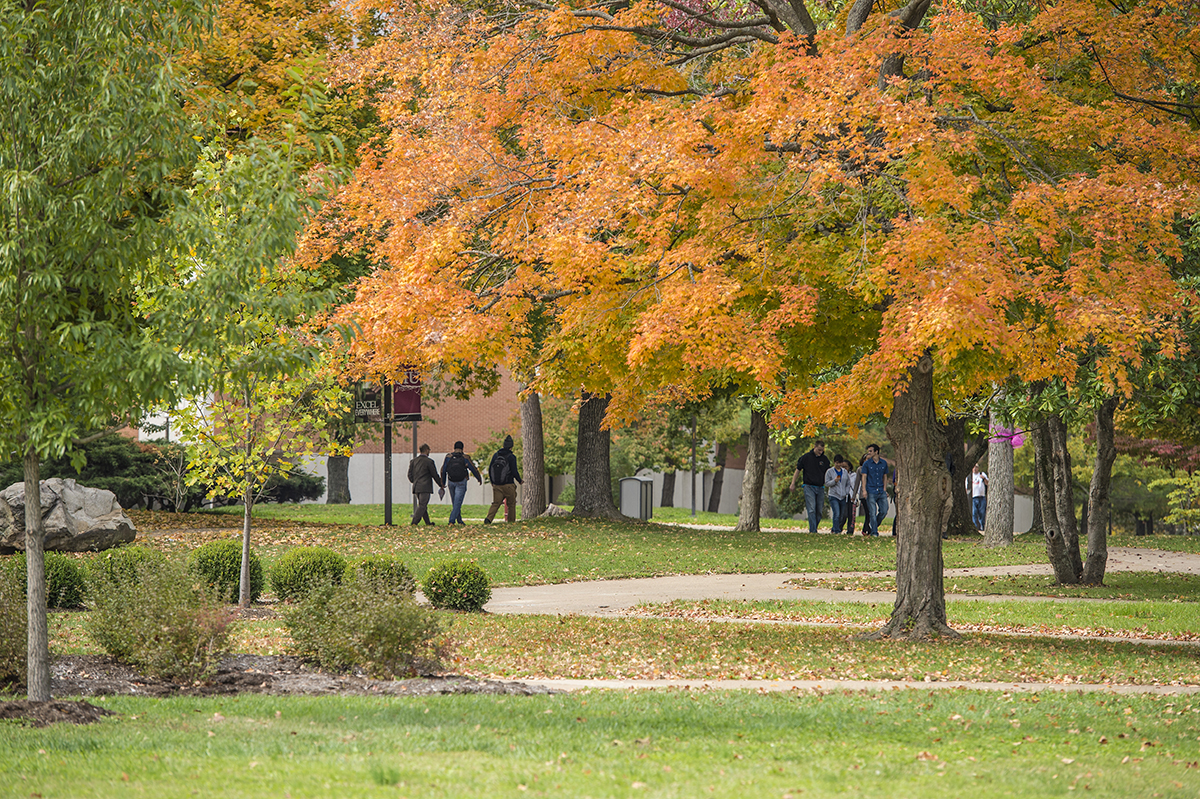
(98, 675)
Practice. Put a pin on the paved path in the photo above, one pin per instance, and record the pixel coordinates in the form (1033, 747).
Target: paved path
(617, 597)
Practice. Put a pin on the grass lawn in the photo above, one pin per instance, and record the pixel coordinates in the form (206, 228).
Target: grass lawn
(566, 549)
(1174, 620)
(1151, 586)
(900, 744)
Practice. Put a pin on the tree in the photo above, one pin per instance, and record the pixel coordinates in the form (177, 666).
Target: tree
(238, 313)
(774, 198)
(91, 134)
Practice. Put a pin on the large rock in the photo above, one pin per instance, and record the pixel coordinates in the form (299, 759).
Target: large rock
(76, 518)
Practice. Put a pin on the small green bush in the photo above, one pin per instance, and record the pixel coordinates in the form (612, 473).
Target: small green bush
(220, 564)
(66, 579)
(386, 571)
(361, 625)
(123, 563)
(13, 618)
(163, 620)
(458, 585)
(300, 569)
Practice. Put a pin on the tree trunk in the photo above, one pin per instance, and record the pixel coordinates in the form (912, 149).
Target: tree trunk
(593, 477)
(533, 458)
(1038, 523)
(718, 483)
(38, 641)
(752, 480)
(337, 486)
(668, 490)
(244, 579)
(1058, 513)
(920, 443)
(998, 527)
(768, 508)
(960, 460)
(1098, 496)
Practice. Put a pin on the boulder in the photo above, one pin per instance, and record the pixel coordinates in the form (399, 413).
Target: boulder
(76, 518)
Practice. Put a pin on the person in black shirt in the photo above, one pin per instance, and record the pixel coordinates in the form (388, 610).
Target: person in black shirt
(811, 468)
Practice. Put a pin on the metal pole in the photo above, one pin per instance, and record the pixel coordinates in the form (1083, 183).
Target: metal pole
(414, 458)
(387, 453)
(693, 465)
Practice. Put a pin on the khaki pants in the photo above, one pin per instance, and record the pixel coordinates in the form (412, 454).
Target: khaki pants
(506, 494)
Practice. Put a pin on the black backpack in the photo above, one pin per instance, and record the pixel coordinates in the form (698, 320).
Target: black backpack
(456, 467)
(498, 471)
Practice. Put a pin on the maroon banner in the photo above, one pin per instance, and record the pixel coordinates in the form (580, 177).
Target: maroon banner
(406, 398)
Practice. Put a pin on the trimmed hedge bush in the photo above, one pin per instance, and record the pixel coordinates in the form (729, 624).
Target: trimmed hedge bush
(13, 618)
(458, 585)
(123, 563)
(360, 625)
(300, 569)
(66, 579)
(220, 564)
(164, 620)
(386, 571)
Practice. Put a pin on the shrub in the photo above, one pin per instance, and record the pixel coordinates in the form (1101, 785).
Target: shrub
(65, 579)
(13, 618)
(458, 585)
(164, 620)
(220, 564)
(123, 563)
(294, 485)
(386, 571)
(300, 569)
(360, 625)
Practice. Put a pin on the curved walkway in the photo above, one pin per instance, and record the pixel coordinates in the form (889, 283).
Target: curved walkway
(607, 598)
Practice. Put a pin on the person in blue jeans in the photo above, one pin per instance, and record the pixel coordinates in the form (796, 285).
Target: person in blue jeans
(812, 467)
(457, 469)
(873, 481)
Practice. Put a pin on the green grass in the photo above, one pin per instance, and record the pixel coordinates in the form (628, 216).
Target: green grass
(579, 647)
(905, 744)
(1138, 619)
(566, 549)
(1152, 586)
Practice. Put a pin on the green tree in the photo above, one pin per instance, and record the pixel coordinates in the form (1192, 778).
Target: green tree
(91, 132)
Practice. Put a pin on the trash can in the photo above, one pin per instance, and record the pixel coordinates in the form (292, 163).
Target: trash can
(637, 497)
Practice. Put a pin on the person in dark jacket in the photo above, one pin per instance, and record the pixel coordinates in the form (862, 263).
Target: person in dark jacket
(811, 468)
(423, 473)
(502, 471)
(457, 469)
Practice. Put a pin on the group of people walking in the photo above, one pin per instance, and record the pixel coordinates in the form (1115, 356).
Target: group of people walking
(846, 485)
(457, 469)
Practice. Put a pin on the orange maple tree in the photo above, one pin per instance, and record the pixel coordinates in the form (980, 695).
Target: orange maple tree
(850, 209)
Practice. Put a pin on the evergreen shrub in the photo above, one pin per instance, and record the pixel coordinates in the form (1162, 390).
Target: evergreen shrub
(458, 585)
(302, 568)
(387, 571)
(220, 564)
(66, 578)
(13, 618)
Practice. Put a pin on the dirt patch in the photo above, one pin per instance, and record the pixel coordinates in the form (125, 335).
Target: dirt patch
(97, 675)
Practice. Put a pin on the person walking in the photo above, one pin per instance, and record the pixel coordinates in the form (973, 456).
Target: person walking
(423, 473)
(852, 499)
(812, 467)
(979, 488)
(502, 471)
(837, 486)
(457, 469)
(873, 489)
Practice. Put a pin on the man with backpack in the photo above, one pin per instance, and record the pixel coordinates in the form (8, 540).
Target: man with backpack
(502, 472)
(457, 468)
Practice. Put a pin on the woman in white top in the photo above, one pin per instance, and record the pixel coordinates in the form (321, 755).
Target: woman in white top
(839, 489)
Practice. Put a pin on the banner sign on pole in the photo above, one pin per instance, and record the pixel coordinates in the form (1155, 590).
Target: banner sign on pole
(406, 399)
(368, 403)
